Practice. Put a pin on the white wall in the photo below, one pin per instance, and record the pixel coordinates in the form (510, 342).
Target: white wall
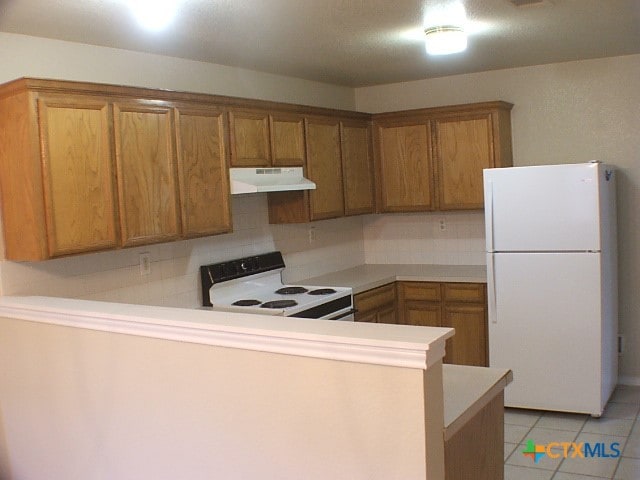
(173, 281)
(24, 56)
(563, 113)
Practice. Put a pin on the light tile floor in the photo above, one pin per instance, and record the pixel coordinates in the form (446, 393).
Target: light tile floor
(619, 423)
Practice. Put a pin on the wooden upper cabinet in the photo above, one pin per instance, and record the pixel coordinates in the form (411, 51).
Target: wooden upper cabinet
(202, 171)
(287, 140)
(147, 177)
(77, 174)
(357, 167)
(249, 135)
(463, 148)
(324, 167)
(404, 167)
(454, 145)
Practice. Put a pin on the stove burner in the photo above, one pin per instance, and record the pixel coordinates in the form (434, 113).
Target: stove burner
(322, 291)
(291, 290)
(279, 304)
(246, 303)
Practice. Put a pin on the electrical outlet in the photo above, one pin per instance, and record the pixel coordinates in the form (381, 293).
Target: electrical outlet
(145, 264)
(442, 224)
(312, 235)
(620, 344)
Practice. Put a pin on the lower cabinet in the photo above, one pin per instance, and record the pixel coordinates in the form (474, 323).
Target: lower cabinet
(462, 306)
(419, 304)
(378, 305)
(465, 309)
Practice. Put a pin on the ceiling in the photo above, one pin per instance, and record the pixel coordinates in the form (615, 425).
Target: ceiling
(345, 42)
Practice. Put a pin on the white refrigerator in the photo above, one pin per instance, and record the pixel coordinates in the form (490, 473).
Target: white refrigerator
(552, 284)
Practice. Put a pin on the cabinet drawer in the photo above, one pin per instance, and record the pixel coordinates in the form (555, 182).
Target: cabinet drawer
(375, 298)
(424, 291)
(464, 292)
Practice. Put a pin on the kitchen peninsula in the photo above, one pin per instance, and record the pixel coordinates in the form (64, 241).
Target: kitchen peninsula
(138, 391)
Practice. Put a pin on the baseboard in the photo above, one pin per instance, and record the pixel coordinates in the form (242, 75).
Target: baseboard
(628, 380)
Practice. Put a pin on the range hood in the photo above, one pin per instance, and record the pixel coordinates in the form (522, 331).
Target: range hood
(255, 180)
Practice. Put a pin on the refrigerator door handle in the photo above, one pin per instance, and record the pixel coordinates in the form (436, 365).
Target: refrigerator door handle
(489, 215)
(491, 286)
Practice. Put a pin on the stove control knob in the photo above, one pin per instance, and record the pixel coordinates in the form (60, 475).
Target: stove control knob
(244, 266)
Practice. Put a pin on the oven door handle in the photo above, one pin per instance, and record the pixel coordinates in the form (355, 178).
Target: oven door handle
(345, 314)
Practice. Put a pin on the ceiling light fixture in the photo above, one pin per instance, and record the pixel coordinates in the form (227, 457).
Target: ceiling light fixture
(154, 14)
(445, 40)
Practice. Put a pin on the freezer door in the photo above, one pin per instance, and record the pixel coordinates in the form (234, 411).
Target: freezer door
(543, 208)
(545, 325)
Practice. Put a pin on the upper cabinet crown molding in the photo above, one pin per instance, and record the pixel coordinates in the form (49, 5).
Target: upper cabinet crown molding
(66, 87)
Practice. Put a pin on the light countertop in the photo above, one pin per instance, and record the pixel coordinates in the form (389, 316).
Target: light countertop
(368, 276)
(467, 390)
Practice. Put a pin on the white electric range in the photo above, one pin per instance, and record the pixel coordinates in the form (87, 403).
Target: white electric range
(254, 285)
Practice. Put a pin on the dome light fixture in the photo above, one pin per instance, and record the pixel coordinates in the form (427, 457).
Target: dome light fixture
(154, 15)
(445, 40)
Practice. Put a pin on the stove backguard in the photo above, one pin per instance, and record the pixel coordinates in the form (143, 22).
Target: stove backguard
(238, 268)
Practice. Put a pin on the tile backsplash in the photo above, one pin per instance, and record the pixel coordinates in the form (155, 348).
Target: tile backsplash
(174, 277)
(308, 249)
(455, 238)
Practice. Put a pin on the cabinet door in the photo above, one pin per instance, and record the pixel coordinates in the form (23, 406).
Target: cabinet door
(376, 305)
(463, 148)
(464, 292)
(357, 167)
(202, 172)
(249, 137)
(145, 159)
(287, 140)
(405, 167)
(468, 345)
(77, 174)
(387, 314)
(369, 317)
(324, 167)
(424, 314)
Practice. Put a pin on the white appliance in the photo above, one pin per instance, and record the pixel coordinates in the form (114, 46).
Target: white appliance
(552, 284)
(280, 179)
(254, 285)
